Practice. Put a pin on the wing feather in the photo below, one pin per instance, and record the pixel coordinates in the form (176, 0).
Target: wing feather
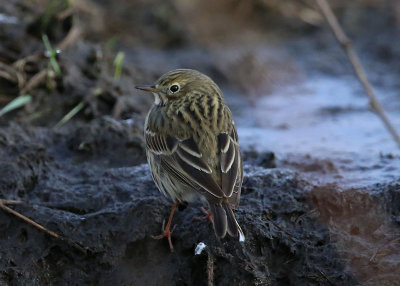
(191, 147)
(179, 176)
(231, 165)
(171, 143)
(193, 161)
(223, 141)
(228, 156)
(203, 179)
(183, 160)
(160, 144)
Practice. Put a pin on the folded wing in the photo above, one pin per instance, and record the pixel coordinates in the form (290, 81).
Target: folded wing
(183, 160)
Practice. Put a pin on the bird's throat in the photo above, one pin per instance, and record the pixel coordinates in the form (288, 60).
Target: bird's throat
(159, 99)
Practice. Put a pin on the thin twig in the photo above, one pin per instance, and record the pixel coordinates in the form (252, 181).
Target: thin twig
(71, 38)
(35, 81)
(210, 269)
(8, 72)
(3, 206)
(28, 220)
(65, 14)
(357, 66)
(11, 202)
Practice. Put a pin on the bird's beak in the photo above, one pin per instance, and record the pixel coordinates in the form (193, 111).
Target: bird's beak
(149, 88)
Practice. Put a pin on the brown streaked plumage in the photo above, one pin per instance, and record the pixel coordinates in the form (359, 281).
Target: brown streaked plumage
(192, 146)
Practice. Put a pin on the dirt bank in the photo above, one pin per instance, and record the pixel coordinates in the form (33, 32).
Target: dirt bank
(321, 195)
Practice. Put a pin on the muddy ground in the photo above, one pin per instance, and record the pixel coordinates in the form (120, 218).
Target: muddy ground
(321, 196)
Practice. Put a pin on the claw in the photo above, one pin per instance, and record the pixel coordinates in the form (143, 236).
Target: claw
(165, 230)
(166, 233)
(207, 215)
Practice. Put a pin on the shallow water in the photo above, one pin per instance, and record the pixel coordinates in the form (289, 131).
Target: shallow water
(325, 118)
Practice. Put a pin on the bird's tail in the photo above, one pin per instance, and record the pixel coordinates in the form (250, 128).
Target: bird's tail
(225, 221)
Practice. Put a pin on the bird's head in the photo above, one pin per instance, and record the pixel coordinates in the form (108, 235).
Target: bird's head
(181, 83)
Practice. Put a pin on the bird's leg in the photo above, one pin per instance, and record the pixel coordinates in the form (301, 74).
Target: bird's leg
(166, 232)
(207, 215)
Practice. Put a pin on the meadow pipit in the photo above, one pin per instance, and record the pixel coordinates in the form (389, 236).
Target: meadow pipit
(192, 147)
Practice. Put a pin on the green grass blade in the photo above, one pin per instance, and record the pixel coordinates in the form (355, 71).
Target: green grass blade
(119, 59)
(15, 103)
(70, 114)
(51, 53)
(47, 44)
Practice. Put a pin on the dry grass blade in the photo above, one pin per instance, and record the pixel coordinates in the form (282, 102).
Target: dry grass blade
(65, 14)
(11, 74)
(8, 73)
(15, 103)
(7, 76)
(357, 66)
(35, 81)
(71, 38)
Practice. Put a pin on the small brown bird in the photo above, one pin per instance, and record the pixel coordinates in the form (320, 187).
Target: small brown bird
(192, 147)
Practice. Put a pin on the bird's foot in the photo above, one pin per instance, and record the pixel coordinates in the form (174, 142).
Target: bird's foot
(166, 232)
(207, 216)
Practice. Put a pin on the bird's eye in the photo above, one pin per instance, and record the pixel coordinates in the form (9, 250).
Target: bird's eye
(174, 88)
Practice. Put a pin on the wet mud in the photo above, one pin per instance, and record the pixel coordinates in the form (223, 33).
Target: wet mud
(320, 201)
